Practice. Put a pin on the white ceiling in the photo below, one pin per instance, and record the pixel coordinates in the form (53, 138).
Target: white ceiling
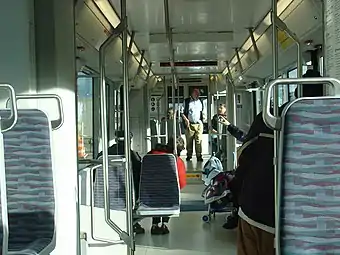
(202, 29)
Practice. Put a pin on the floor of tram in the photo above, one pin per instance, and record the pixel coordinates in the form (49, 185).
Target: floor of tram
(189, 235)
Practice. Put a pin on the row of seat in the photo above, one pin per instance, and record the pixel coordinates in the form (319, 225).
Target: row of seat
(159, 193)
(31, 208)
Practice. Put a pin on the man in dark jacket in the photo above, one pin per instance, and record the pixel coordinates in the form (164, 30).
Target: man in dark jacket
(254, 185)
(119, 149)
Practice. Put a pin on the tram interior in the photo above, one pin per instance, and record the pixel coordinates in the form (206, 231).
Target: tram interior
(223, 48)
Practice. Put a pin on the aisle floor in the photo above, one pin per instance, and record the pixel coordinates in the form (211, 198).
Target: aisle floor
(189, 235)
(193, 165)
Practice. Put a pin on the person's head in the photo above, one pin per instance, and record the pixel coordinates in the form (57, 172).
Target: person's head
(179, 144)
(311, 90)
(222, 109)
(195, 93)
(160, 147)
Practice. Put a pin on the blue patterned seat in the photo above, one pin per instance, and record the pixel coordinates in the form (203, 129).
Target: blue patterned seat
(309, 184)
(30, 185)
(159, 188)
(116, 185)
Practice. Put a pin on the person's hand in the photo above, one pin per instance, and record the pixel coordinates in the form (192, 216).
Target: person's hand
(213, 131)
(223, 120)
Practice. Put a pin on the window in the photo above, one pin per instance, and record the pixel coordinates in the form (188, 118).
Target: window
(179, 98)
(293, 74)
(85, 115)
(321, 65)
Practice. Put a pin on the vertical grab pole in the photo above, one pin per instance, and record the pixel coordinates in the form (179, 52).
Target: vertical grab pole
(3, 193)
(174, 131)
(209, 116)
(231, 141)
(178, 115)
(128, 174)
(221, 139)
(174, 81)
(103, 114)
(275, 54)
(281, 25)
(166, 106)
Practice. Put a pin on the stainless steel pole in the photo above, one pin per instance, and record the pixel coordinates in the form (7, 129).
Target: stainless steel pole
(128, 173)
(174, 131)
(281, 25)
(209, 103)
(173, 75)
(166, 107)
(231, 141)
(103, 115)
(275, 54)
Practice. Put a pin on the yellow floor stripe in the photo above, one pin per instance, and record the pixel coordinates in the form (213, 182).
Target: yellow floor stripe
(194, 176)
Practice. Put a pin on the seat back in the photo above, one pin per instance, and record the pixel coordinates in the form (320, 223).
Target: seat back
(117, 184)
(309, 178)
(159, 186)
(30, 183)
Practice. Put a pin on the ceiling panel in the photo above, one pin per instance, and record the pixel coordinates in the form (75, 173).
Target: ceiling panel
(203, 29)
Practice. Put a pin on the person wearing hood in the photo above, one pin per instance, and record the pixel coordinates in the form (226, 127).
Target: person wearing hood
(253, 184)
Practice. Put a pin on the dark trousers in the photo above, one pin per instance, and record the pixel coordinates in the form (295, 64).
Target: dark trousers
(157, 220)
(214, 144)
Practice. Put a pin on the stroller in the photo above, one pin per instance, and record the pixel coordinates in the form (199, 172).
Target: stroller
(217, 194)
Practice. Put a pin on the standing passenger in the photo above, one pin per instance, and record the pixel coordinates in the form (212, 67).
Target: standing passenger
(193, 120)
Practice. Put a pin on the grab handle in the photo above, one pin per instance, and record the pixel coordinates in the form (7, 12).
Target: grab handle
(7, 124)
(274, 122)
(56, 124)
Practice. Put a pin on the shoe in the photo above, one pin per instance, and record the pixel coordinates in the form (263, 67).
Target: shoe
(232, 222)
(165, 229)
(156, 230)
(138, 229)
(188, 158)
(199, 159)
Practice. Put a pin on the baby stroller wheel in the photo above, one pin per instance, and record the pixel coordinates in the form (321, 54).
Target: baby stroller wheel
(206, 218)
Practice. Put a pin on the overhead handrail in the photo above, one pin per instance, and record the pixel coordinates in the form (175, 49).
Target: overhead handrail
(56, 124)
(7, 124)
(3, 194)
(274, 121)
(103, 114)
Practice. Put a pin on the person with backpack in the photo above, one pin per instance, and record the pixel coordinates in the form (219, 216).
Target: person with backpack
(253, 184)
(163, 229)
(193, 120)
